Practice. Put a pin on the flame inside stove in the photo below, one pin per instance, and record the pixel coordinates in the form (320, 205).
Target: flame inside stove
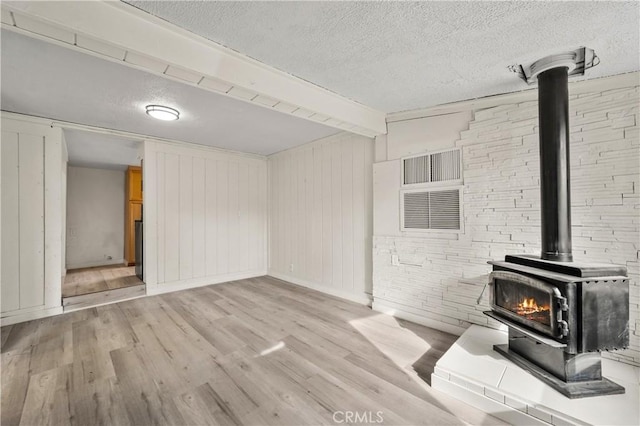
(529, 306)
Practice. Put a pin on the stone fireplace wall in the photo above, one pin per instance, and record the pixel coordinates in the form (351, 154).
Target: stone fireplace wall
(435, 278)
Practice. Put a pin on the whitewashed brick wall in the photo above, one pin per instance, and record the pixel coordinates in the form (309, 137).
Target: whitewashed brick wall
(440, 276)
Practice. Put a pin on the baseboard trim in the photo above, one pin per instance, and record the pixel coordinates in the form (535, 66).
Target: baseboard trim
(17, 317)
(397, 312)
(201, 282)
(361, 298)
(95, 264)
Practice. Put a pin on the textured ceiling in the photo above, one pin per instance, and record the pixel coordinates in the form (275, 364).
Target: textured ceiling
(46, 80)
(397, 56)
(89, 149)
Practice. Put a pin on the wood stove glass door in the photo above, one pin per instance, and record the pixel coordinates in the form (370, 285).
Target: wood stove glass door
(525, 300)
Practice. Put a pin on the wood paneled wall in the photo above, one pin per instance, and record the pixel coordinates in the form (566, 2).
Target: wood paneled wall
(33, 159)
(205, 216)
(320, 215)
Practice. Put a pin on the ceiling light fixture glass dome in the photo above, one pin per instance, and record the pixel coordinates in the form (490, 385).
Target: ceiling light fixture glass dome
(162, 112)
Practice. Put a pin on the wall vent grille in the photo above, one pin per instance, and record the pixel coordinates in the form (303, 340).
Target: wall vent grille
(437, 167)
(416, 170)
(416, 210)
(431, 210)
(445, 166)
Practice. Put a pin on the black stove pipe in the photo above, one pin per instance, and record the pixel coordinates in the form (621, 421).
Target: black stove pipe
(553, 112)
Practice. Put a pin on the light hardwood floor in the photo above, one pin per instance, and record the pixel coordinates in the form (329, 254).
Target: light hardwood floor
(256, 352)
(101, 278)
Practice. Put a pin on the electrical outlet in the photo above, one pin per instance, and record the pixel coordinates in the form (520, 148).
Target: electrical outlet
(395, 260)
(291, 268)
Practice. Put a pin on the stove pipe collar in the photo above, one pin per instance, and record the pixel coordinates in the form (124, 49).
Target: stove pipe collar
(576, 61)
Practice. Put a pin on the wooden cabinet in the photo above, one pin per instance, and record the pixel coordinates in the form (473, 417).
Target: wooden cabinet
(133, 212)
(134, 183)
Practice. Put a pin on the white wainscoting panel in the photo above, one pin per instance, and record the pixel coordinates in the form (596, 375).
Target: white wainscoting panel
(205, 214)
(321, 215)
(33, 159)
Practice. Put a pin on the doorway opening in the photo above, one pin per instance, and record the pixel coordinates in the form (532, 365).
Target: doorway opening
(103, 240)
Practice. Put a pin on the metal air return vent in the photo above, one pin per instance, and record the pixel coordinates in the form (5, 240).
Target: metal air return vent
(443, 166)
(431, 209)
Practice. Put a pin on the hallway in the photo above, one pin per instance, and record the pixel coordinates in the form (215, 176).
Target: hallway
(101, 278)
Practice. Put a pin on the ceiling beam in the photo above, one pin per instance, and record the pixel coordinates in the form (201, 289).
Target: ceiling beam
(120, 32)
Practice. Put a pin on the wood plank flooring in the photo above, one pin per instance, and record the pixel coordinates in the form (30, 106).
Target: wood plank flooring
(101, 278)
(256, 352)
(82, 301)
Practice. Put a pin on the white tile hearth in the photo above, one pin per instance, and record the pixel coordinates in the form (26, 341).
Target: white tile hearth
(473, 372)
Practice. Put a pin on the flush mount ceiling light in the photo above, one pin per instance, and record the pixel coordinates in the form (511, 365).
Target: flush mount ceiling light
(162, 112)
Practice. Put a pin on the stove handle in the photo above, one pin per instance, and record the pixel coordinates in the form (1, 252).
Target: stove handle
(560, 305)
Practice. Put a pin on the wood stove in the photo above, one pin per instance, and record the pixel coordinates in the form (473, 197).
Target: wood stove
(560, 317)
(560, 314)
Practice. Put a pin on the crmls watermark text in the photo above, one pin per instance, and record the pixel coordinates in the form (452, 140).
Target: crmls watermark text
(358, 417)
